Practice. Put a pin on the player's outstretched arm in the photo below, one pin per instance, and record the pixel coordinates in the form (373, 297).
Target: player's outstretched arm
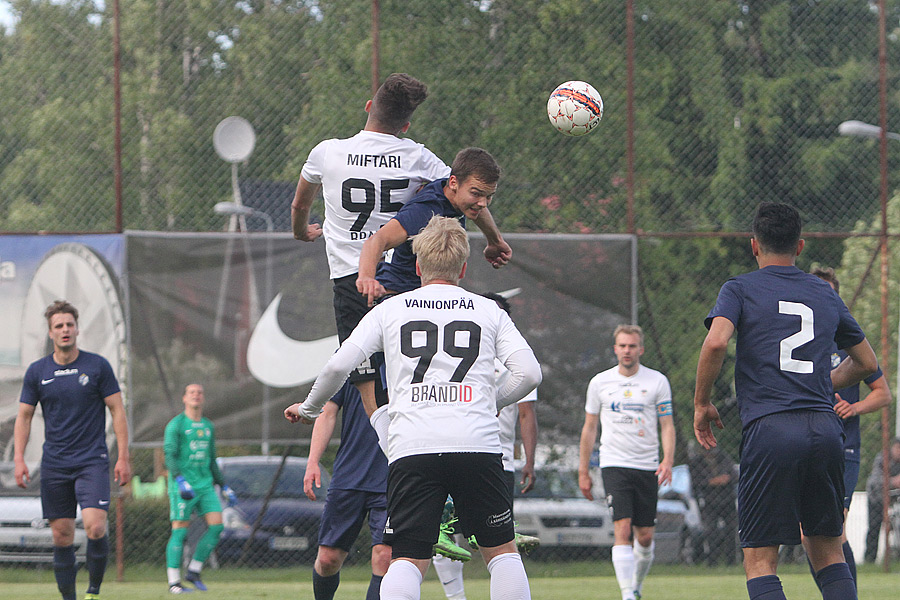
(585, 448)
(497, 252)
(318, 442)
(300, 207)
(21, 433)
(712, 356)
(391, 235)
(122, 470)
(327, 383)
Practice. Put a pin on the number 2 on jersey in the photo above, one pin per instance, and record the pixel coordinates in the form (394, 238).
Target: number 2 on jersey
(425, 352)
(790, 343)
(367, 206)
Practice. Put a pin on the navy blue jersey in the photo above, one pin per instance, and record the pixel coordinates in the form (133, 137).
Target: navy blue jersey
(399, 275)
(359, 464)
(851, 395)
(788, 323)
(71, 399)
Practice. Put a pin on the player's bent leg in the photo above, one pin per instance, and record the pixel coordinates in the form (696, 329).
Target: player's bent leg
(327, 572)
(623, 557)
(381, 561)
(97, 551)
(508, 578)
(174, 552)
(403, 580)
(643, 550)
(450, 574)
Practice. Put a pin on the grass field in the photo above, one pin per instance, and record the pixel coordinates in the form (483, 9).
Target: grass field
(568, 581)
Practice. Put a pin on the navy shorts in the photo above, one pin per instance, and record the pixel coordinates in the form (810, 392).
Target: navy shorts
(343, 517)
(792, 476)
(631, 494)
(63, 489)
(418, 486)
(851, 474)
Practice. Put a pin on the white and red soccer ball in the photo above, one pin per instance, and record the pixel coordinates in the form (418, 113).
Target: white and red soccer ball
(575, 108)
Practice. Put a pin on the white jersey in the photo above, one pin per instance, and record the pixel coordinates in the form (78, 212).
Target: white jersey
(628, 408)
(441, 342)
(365, 180)
(508, 417)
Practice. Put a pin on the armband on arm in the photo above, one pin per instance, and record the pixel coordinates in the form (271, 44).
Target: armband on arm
(664, 409)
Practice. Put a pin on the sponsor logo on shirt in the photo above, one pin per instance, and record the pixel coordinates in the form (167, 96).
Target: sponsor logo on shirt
(441, 394)
(620, 406)
(61, 372)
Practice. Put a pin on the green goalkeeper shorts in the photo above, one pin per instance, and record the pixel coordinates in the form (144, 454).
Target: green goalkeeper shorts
(205, 501)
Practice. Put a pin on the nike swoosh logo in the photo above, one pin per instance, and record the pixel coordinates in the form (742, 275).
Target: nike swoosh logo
(277, 360)
(46, 381)
(103, 502)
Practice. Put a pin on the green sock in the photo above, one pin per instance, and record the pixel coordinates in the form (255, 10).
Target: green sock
(208, 542)
(175, 548)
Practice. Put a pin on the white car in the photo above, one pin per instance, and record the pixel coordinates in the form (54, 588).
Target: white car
(25, 535)
(557, 513)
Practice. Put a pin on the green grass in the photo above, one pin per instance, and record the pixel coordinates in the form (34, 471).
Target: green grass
(568, 581)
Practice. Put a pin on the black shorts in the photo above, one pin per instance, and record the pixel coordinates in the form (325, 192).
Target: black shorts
(631, 494)
(349, 308)
(63, 489)
(417, 489)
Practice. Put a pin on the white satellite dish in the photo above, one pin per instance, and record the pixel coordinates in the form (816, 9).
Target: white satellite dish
(234, 139)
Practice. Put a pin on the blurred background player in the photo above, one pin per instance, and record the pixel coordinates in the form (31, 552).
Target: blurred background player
(628, 401)
(190, 450)
(358, 489)
(444, 434)
(792, 461)
(450, 572)
(875, 494)
(848, 407)
(714, 478)
(74, 388)
(364, 180)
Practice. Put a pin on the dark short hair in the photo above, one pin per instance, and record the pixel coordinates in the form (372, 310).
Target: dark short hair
(500, 300)
(827, 273)
(60, 307)
(477, 162)
(397, 99)
(776, 227)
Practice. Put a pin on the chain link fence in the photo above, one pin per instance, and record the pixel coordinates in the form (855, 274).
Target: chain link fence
(734, 103)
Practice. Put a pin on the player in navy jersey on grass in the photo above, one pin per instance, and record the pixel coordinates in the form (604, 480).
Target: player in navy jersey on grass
(74, 389)
(444, 432)
(792, 462)
(358, 489)
(848, 407)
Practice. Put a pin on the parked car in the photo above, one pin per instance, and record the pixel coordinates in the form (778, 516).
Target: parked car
(25, 535)
(557, 513)
(678, 525)
(289, 529)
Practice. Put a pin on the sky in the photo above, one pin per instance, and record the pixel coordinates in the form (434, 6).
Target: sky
(6, 18)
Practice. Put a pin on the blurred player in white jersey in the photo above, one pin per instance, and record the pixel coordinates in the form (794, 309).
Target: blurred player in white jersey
(628, 401)
(365, 180)
(444, 433)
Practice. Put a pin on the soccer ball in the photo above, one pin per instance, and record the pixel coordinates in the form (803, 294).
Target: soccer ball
(575, 108)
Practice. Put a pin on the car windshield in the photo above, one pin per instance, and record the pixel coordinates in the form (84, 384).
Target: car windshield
(253, 480)
(552, 483)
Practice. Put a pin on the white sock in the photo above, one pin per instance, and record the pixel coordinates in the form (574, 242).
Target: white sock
(195, 566)
(403, 581)
(508, 578)
(174, 575)
(623, 564)
(380, 422)
(450, 573)
(643, 558)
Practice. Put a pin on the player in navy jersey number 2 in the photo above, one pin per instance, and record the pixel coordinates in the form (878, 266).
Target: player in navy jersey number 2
(792, 461)
(444, 435)
(74, 389)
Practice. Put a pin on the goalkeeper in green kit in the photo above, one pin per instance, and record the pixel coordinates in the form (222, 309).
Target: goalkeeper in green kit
(190, 450)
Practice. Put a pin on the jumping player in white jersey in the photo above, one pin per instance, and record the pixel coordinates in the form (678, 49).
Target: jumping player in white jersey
(365, 180)
(628, 401)
(444, 433)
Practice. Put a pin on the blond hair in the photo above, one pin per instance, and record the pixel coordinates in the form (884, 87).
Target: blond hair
(441, 249)
(629, 329)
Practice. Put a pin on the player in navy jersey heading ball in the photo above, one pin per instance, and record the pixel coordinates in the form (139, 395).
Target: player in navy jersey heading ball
(74, 389)
(792, 461)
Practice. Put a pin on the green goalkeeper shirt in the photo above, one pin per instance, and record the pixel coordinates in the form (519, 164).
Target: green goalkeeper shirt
(190, 450)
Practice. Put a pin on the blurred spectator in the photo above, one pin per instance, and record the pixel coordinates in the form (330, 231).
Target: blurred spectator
(875, 494)
(714, 478)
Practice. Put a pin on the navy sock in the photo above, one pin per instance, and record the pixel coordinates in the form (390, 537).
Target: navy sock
(64, 570)
(95, 562)
(374, 591)
(851, 560)
(767, 587)
(836, 582)
(325, 587)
